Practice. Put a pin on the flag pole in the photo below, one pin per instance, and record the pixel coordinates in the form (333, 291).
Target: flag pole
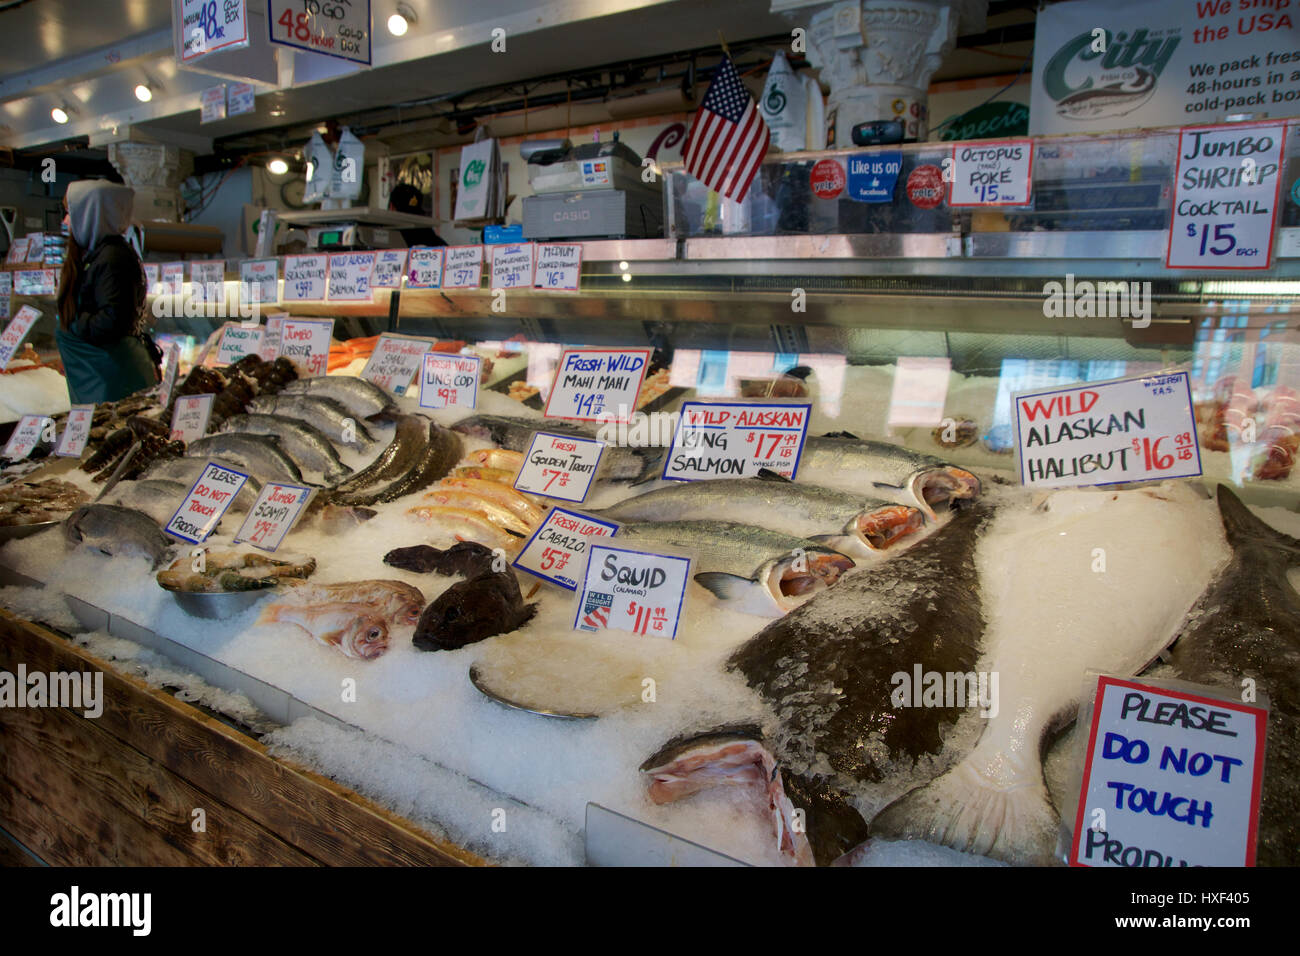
(725, 49)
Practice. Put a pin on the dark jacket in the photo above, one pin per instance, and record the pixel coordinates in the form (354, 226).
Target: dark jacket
(103, 357)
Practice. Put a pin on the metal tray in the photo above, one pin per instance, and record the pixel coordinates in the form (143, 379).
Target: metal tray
(476, 679)
(217, 605)
(15, 531)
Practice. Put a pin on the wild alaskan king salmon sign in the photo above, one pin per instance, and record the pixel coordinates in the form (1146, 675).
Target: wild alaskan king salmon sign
(717, 440)
(1104, 433)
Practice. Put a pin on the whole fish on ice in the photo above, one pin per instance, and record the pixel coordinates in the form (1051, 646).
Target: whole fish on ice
(113, 530)
(360, 397)
(618, 463)
(471, 611)
(355, 617)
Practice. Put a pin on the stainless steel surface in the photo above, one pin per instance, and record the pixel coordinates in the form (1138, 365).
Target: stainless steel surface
(219, 605)
(367, 215)
(882, 245)
(629, 250)
(476, 679)
(13, 532)
(615, 839)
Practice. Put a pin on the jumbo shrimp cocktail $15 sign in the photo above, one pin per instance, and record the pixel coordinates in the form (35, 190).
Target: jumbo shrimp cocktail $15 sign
(1103, 433)
(637, 591)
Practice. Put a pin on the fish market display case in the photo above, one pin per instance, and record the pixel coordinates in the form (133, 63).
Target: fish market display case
(906, 326)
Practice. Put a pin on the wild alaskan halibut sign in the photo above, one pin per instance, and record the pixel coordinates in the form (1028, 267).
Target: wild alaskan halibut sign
(1105, 433)
(1116, 64)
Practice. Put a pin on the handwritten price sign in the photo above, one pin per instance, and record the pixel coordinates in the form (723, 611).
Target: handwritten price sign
(270, 347)
(389, 266)
(26, 436)
(593, 384)
(306, 343)
(464, 269)
(207, 278)
(304, 278)
(171, 365)
(206, 503)
(15, 332)
(635, 591)
(737, 440)
(448, 381)
(1103, 433)
(558, 268)
(273, 515)
(18, 251)
(258, 281)
(425, 269)
(1226, 197)
(76, 432)
(560, 466)
(6, 291)
(394, 362)
(173, 277)
(350, 276)
(238, 341)
(992, 174)
(190, 417)
(558, 547)
(512, 266)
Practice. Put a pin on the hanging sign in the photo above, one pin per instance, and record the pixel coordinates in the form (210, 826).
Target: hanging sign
(558, 547)
(306, 343)
(425, 270)
(190, 417)
(76, 432)
(206, 503)
(15, 332)
(1103, 433)
(338, 28)
(212, 104)
(240, 97)
(591, 384)
(559, 466)
(207, 26)
(273, 515)
(304, 278)
(559, 268)
(349, 279)
(1226, 194)
(1170, 778)
(394, 362)
(636, 591)
(737, 441)
(449, 381)
(389, 266)
(464, 267)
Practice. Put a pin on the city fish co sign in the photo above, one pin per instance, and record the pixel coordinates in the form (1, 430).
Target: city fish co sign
(1115, 64)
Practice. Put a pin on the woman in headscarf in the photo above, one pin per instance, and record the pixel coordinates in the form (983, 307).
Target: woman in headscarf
(101, 297)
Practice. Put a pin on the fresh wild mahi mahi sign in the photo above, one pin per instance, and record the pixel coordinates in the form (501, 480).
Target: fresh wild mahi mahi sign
(1104, 433)
(1116, 64)
(1170, 778)
(597, 384)
(717, 440)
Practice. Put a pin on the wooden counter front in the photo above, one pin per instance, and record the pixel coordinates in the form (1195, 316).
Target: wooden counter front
(120, 789)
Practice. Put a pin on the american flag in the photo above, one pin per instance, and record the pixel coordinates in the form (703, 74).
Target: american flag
(729, 138)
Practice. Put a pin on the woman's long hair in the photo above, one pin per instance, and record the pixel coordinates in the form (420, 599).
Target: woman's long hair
(70, 283)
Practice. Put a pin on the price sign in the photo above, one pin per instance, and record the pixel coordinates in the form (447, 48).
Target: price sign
(207, 279)
(304, 278)
(1226, 197)
(595, 384)
(206, 503)
(152, 278)
(258, 281)
(190, 417)
(350, 276)
(237, 341)
(338, 28)
(36, 282)
(171, 365)
(212, 104)
(6, 293)
(992, 174)
(1171, 777)
(208, 26)
(559, 466)
(15, 332)
(26, 436)
(559, 268)
(737, 441)
(270, 348)
(76, 432)
(512, 266)
(919, 393)
(389, 266)
(394, 362)
(449, 381)
(637, 591)
(425, 270)
(17, 251)
(558, 547)
(273, 515)
(36, 247)
(1103, 433)
(240, 97)
(306, 343)
(464, 267)
(173, 277)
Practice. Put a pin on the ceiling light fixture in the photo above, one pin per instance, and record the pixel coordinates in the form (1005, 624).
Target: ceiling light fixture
(277, 167)
(401, 21)
(143, 93)
(59, 115)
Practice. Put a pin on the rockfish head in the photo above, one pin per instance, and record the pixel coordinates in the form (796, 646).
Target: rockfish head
(470, 611)
(365, 638)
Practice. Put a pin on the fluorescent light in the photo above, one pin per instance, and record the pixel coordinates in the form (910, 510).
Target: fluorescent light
(143, 93)
(397, 25)
(59, 115)
(277, 167)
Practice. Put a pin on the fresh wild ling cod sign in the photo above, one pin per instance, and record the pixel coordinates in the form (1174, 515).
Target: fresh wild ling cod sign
(1115, 64)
